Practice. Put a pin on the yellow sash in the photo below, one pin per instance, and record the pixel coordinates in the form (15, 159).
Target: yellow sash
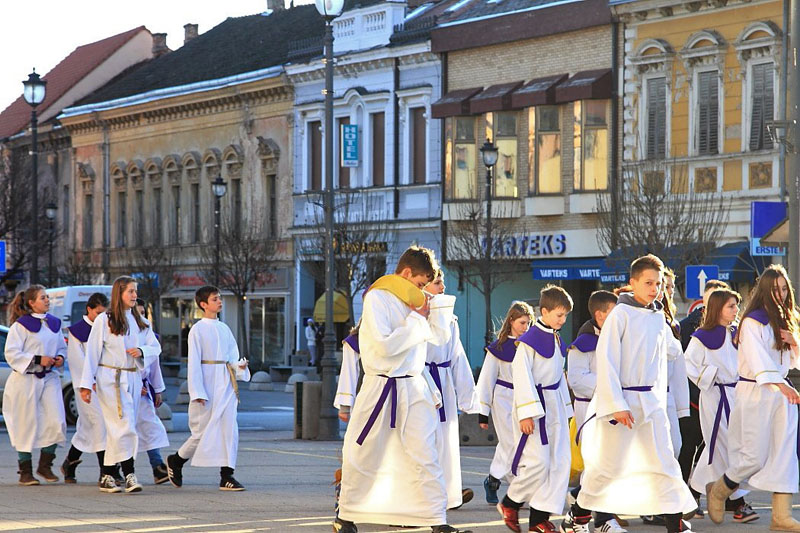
(409, 293)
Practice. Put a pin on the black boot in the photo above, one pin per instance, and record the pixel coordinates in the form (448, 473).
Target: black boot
(68, 470)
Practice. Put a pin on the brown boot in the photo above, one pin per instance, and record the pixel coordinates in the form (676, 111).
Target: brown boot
(26, 473)
(716, 494)
(782, 519)
(44, 470)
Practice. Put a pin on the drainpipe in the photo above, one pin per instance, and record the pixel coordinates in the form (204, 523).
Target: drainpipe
(106, 262)
(615, 183)
(396, 126)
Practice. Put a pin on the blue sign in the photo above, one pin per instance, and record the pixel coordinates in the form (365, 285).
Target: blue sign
(764, 216)
(349, 137)
(3, 257)
(696, 278)
(558, 273)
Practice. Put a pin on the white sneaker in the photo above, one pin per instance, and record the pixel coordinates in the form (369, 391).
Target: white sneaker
(131, 484)
(568, 525)
(107, 484)
(612, 526)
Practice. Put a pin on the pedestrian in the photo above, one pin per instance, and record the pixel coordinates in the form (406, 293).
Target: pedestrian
(120, 345)
(448, 365)
(311, 341)
(213, 369)
(33, 408)
(495, 391)
(582, 376)
(391, 472)
(762, 431)
(630, 467)
(90, 430)
(541, 462)
(712, 363)
(152, 433)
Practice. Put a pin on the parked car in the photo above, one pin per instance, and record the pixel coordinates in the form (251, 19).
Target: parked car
(66, 380)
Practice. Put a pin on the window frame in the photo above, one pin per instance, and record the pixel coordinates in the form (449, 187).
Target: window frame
(473, 143)
(695, 112)
(534, 134)
(579, 155)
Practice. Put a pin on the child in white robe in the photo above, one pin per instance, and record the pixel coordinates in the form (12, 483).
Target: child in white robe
(712, 364)
(630, 467)
(678, 383)
(390, 448)
(213, 369)
(348, 375)
(495, 391)
(762, 430)
(90, 430)
(542, 409)
(120, 345)
(33, 408)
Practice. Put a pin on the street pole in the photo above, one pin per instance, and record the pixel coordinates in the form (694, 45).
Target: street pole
(329, 420)
(487, 338)
(50, 273)
(792, 163)
(216, 239)
(35, 185)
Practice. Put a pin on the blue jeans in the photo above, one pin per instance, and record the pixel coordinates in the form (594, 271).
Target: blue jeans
(155, 457)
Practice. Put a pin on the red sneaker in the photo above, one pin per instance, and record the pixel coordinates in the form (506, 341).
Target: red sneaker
(545, 527)
(510, 517)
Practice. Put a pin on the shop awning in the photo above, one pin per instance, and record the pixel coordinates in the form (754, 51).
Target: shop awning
(494, 98)
(587, 268)
(778, 235)
(541, 91)
(585, 85)
(341, 311)
(454, 103)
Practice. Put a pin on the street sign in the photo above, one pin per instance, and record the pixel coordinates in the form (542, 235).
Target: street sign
(349, 137)
(696, 278)
(763, 217)
(2, 257)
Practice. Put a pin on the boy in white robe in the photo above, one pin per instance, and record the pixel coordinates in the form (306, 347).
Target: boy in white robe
(212, 371)
(630, 467)
(390, 448)
(542, 409)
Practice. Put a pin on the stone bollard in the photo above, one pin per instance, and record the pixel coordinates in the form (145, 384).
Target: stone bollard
(165, 414)
(183, 394)
(261, 381)
(294, 379)
(312, 395)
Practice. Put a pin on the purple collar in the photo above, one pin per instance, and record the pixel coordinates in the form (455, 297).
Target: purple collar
(352, 340)
(713, 339)
(80, 330)
(544, 342)
(505, 352)
(759, 315)
(585, 343)
(33, 324)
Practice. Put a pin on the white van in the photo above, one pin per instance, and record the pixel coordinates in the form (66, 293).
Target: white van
(69, 303)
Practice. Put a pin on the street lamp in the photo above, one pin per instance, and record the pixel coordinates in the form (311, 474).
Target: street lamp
(50, 213)
(489, 155)
(329, 421)
(34, 93)
(219, 188)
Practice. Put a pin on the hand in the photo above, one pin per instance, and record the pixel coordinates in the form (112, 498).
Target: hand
(788, 338)
(46, 361)
(425, 310)
(86, 395)
(484, 426)
(94, 387)
(134, 352)
(344, 417)
(201, 401)
(144, 390)
(242, 364)
(526, 425)
(158, 400)
(625, 418)
(59, 361)
(791, 394)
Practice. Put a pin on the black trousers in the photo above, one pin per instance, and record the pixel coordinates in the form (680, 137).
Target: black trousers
(692, 446)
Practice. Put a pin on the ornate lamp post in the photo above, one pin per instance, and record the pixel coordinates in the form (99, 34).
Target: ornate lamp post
(489, 155)
(219, 188)
(34, 93)
(50, 212)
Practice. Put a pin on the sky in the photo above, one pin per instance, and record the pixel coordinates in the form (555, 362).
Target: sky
(40, 34)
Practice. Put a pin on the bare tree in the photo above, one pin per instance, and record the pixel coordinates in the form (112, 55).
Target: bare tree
(153, 268)
(75, 270)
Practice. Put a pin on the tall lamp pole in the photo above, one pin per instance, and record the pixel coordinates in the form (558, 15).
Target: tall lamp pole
(329, 421)
(489, 156)
(50, 212)
(792, 167)
(219, 188)
(34, 93)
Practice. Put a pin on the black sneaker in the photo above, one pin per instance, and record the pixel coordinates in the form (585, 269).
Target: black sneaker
(160, 474)
(343, 526)
(230, 484)
(444, 528)
(174, 470)
(654, 520)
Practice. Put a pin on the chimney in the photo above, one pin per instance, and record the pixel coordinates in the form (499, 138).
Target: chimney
(275, 5)
(189, 32)
(160, 44)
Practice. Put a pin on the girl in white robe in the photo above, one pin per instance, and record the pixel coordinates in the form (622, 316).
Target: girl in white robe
(33, 408)
(120, 345)
(495, 392)
(762, 431)
(212, 372)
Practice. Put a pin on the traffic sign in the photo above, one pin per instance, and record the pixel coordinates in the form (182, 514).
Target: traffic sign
(2, 257)
(696, 278)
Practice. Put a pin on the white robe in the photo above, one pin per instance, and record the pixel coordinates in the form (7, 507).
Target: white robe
(400, 462)
(103, 347)
(499, 400)
(215, 431)
(582, 376)
(707, 368)
(632, 471)
(33, 408)
(90, 430)
(677, 393)
(348, 378)
(762, 431)
(152, 433)
(543, 473)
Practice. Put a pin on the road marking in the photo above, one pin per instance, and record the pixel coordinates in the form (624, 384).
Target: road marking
(336, 458)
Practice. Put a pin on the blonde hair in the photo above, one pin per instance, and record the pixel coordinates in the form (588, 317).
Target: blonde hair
(518, 309)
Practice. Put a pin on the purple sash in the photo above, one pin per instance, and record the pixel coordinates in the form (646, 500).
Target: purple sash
(723, 405)
(635, 388)
(542, 425)
(391, 386)
(437, 379)
(582, 399)
(151, 392)
(505, 384)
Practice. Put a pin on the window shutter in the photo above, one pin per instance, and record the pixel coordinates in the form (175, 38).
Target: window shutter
(757, 108)
(713, 112)
(708, 113)
(656, 118)
(769, 105)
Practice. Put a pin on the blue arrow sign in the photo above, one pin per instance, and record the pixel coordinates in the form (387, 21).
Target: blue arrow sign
(3, 257)
(696, 278)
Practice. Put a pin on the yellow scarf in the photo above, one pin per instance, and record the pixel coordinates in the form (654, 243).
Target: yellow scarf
(409, 293)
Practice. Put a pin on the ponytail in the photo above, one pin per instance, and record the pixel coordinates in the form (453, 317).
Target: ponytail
(19, 305)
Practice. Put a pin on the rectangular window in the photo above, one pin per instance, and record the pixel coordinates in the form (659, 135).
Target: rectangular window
(175, 237)
(88, 222)
(656, 113)
(419, 146)
(272, 222)
(591, 124)
(462, 158)
(344, 172)
(195, 212)
(65, 219)
(138, 237)
(761, 105)
(122, 221)
(158, 226)
(505, 138)
(545, 126)
(315, 151)
(378, 148)
(236, 205)
(707, 112)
